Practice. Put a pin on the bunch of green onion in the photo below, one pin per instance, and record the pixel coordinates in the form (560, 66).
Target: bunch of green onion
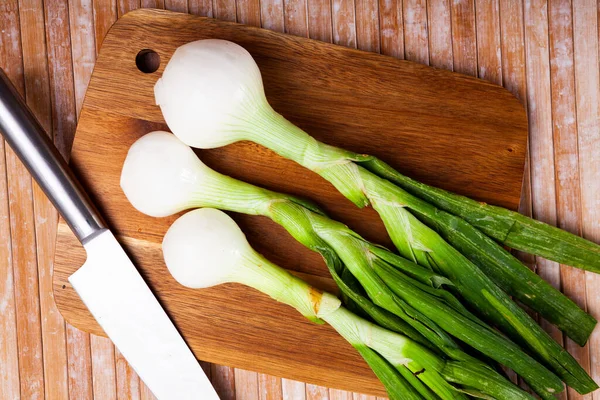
(162, 176)
(211, 95)
(205, 247)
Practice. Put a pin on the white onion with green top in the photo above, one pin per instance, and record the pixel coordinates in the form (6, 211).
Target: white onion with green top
(205, 247)
(162, 176)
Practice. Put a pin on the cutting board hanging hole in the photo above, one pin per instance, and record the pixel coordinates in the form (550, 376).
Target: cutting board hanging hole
(147, 61)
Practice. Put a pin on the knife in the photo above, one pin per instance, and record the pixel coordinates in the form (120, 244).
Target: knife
(108, 282)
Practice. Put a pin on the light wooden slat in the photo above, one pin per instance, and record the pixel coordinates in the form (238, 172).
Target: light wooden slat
(26, 278)
(176, 5)
(464, 45)
(9, 373)
(512, 48)
(295, 18)
(269, 387)
(200, 7)
(367, 25)
(360, 396)
(224, 10)
(223, 381)
(128, 383)
(391, 28)
(104, 380)
(587, 92)
(489, 58)
(540, 132)
(335, 394)
(246, 385)
(316, 392)
(12, 63)
(105, 14)
(248, 12)
(152, 4)
(60, 62)
(79, 364)
(124, 6)
(293, 390)
(62, 102)
(271, 14)
(416, 46)
(81, 16)
(343, 26)
(440, 34)
(319, 20)
(564, 123)
(146, 394)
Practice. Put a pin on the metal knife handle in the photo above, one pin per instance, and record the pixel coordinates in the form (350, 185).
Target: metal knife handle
(33, 146)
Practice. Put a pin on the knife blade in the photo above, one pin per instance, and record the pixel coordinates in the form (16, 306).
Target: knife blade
(108, 282)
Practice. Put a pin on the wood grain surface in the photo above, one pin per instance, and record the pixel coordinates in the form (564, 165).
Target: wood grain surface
(416, 30)
(447, 129)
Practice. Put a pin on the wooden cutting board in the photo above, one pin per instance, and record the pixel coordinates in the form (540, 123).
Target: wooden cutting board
(443, 128)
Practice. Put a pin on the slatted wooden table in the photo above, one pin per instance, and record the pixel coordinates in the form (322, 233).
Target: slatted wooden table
(546, 54)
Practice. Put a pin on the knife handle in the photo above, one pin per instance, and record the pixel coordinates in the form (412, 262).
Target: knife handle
(34, 147)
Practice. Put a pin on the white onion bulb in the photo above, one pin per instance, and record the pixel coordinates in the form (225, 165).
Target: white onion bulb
(161, 174)
(208, 88)
(204, 248)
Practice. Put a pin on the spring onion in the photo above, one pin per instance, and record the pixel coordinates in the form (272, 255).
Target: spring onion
(205, 247)
(159, 160)
(211, 94)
